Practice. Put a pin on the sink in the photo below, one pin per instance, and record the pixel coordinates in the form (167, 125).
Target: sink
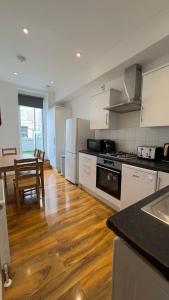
(159, 208)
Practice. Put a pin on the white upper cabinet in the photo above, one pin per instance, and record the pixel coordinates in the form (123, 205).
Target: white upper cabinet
(99, 117)
(155, 98)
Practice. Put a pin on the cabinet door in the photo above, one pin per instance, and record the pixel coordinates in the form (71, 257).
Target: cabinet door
(70, 167)
(134, 278)
(99, 118)
(163, 180)
(155, 98)
(137, 183)
(87, 171)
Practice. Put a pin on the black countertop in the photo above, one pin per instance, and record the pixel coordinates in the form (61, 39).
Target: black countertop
(148, 235)
(89, 152)
(138, 162)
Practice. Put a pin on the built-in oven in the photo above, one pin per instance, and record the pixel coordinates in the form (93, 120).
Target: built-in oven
(108, 177)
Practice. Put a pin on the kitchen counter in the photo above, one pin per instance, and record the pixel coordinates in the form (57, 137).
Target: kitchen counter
(148, 235)
(138, 162)
(147, 164)
(89, 152)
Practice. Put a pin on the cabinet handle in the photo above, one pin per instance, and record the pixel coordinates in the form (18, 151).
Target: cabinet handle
(158, 184)
(86, 167)
(86, 158)
(107, 118)
(88, 173)
(136, 176)
(141, 113)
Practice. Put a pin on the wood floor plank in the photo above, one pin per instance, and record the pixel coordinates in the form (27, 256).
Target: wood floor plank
(62, 251)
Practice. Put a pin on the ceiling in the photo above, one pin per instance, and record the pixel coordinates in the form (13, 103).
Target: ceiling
(61, 28)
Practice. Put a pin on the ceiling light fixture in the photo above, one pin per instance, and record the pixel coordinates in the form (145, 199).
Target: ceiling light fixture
(78, 54)
(15, 73)
(25, 30)
(52, 82)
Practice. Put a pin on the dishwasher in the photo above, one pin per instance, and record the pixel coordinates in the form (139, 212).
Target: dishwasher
(137, 183)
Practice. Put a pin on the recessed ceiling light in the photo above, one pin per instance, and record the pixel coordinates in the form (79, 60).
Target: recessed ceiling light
(78, 54)
(52, 82)
(15, 73)
(25, 30)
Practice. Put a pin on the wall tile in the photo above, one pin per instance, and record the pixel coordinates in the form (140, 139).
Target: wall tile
(130, 134)
(122, 134)
(141, 134)
(152, 136)
(128, 139)
(164, 133)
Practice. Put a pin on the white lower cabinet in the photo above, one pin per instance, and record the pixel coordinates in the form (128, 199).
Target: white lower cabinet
(163, 180)
(87, 171)
(134, 277)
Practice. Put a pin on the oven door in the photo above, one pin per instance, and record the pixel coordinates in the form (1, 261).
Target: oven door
(109, 181)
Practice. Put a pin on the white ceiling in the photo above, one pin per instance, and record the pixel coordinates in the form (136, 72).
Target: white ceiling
(59, 29)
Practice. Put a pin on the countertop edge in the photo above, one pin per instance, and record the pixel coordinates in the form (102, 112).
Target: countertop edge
(136, 162)
(113, 224)
(159, 266)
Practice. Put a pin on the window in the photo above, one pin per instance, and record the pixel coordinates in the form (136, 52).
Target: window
(31, 124)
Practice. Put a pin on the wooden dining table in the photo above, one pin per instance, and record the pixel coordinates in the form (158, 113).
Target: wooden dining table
(7, 165)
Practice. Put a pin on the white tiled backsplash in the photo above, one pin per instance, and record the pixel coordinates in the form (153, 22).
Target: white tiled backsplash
(128, 139)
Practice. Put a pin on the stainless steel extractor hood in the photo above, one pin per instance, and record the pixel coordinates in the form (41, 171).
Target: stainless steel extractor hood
(132, 88)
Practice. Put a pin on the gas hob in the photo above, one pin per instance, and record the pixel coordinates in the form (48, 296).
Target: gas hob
(120, 155)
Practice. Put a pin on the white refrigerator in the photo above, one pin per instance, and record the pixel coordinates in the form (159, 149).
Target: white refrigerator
(77, 133)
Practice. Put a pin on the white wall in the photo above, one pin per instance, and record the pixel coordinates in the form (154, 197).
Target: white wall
(9, 131)
(51, 145)
(80, 107)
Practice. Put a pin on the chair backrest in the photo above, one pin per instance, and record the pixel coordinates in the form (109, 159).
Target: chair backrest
(41, 155)
(26, 168)
(36, 152)
(9, 151)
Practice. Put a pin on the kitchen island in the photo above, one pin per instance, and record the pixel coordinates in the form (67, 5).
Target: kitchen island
(141, 253)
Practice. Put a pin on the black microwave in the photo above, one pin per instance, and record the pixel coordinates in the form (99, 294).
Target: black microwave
(102, 146)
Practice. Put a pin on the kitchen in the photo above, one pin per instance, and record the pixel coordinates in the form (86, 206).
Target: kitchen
(99, 105)
(121, 179)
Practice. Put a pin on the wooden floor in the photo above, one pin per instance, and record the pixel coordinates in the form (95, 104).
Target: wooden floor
(63, 251)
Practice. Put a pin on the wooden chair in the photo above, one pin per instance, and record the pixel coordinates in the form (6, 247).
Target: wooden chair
(9, 151)
(41, 155)
(26, 178)
(36, 152)
(6, 152)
